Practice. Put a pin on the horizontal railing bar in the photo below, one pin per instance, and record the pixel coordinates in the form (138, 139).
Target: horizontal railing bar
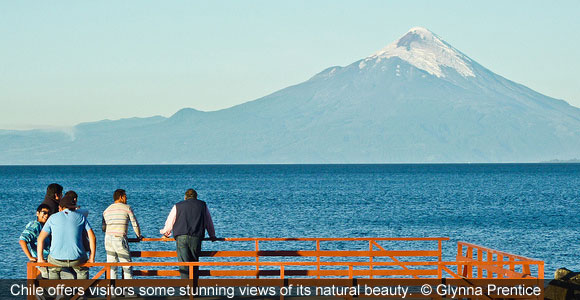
(155, 254)
(494, 251)
(306, 253)
(333, 272)
(495, 262)
(302, 239)
(155, 273)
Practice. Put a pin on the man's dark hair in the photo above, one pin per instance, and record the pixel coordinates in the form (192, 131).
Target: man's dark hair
(51, 190)
(69, 200)
(118, 194)
(42, 206)
(191, 193)
(71, 194)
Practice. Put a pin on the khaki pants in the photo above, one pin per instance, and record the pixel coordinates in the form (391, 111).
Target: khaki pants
(117, 249)
(54, 272)
(43, 272)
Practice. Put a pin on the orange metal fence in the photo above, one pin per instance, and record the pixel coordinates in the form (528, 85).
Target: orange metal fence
(317, 260)
(488, 263)
(323, 262)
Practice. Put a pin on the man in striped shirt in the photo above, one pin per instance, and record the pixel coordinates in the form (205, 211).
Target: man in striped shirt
(115, 222)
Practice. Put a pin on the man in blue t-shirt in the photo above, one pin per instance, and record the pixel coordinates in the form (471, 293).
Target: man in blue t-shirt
(66, 248)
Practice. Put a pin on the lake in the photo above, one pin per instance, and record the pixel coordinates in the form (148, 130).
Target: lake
(525, 209)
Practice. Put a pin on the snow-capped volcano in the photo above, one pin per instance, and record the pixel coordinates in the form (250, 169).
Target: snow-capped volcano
(426, 51)
(417, 100)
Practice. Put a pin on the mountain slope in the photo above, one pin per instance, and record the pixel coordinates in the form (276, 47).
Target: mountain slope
(417, 100)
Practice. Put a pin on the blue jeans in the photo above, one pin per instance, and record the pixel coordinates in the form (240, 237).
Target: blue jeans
(188, 249)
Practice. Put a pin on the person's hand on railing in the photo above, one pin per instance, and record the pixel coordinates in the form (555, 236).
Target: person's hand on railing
(91, 260)
(40, 259)
(164, 238)
(213, 238)
(32, 259)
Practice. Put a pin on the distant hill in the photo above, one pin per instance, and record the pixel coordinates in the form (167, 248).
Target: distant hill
(569, 161)
(417, 100)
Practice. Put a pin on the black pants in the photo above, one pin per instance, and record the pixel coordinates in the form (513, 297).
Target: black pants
(188, 249)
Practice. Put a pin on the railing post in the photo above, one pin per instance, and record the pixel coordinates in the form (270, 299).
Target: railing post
(489, 258)
(479, 267)
(541, 270)
(257, 259)
(461, 268)
(30, 276)
(512, 267)
(318, 258)
(30, 271)
(526, 269)
(500, 258)
(371, 258)
(108, 276)
(440, 258)
(470, 266)
(440, 247)
(350, 272)
(281, 277)
(192, 277)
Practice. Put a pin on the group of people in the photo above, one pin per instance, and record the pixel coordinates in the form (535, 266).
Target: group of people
(62, 235)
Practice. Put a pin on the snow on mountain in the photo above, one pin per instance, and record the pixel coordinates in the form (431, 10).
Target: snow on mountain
(426, 51)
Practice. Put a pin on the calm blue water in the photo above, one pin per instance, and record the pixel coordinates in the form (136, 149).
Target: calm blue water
(526, 209)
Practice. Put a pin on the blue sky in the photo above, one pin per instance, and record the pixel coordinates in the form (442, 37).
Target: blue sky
(66, 62)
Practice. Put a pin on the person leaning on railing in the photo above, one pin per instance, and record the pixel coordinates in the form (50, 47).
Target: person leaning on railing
(115, 224)
(189, 219)
(29, 236)
(66, 248)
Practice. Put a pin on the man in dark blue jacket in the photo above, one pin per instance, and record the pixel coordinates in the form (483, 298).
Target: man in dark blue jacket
(189, 219)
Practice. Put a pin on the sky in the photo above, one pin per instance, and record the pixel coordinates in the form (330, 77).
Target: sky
(67, 62)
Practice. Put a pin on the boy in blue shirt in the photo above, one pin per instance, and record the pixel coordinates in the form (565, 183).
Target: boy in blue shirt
(30, 234)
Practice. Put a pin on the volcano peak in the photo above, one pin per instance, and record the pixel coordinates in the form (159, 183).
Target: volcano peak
(426, 51)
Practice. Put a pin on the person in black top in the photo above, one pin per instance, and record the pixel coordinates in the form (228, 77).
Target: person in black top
(53, 196)
(189, 219)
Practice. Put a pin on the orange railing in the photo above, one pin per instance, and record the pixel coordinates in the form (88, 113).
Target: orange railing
(488, 263)
(314, 259)
(320, 258)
